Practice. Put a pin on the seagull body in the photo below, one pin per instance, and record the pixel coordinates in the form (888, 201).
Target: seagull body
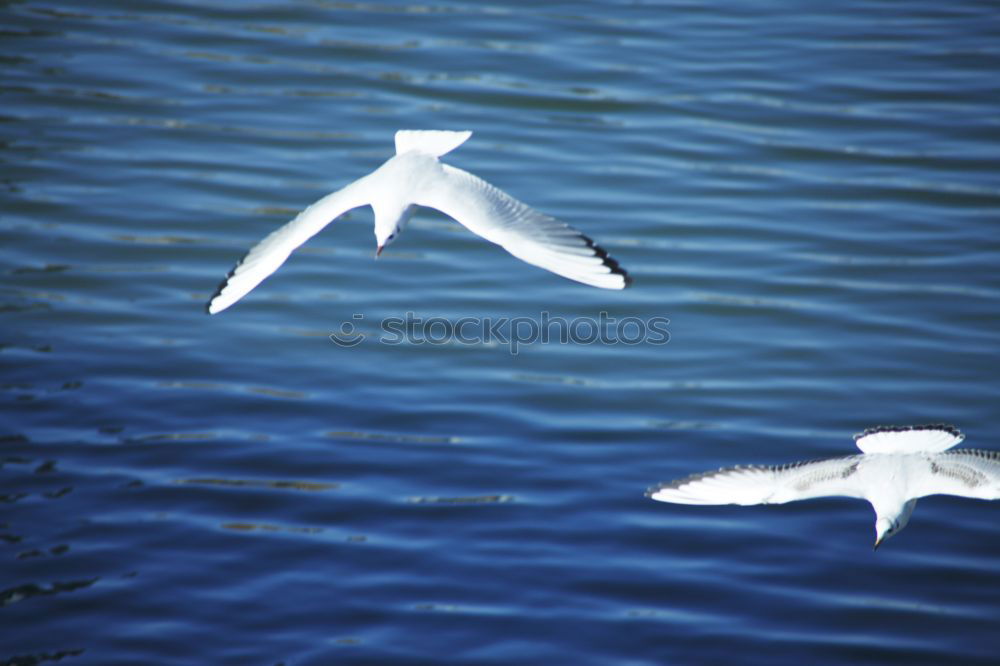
(898, 465)
(414, 177)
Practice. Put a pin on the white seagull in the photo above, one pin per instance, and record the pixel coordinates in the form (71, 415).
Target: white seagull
(899, 464)
(415, 177)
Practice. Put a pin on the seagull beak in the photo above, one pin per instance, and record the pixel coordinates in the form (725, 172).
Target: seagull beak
(878, 542)
(379, 250)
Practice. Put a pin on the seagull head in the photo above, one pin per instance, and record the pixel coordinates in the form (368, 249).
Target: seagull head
(884, 528)
(886, 525)
(382, 242)
(391, 217)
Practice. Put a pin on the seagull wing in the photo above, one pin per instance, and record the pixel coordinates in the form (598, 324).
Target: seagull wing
(527, 234)
(963, 472)
(759, 484)
(269, 254)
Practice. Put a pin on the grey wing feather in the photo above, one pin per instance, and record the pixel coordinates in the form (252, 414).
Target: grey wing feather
(964, 472)
(531, 236)
(760, 484)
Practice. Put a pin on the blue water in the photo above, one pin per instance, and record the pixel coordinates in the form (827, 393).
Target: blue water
(809, 195)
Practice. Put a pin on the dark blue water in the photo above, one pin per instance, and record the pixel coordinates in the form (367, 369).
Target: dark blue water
(810, 196)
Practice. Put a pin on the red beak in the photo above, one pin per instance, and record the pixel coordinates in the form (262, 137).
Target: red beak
(379, 250)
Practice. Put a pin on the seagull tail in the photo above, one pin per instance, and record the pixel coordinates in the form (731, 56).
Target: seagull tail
(932, 438)
(434, 142)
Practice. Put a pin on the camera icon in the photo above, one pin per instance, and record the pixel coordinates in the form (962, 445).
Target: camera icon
(348, 335)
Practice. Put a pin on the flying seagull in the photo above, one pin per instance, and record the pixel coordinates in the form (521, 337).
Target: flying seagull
(898, 465)
(415, 177)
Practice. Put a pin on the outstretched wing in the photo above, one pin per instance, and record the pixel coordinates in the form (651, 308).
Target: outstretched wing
(964, 472)
(527, 234)
(759, 484)
(269, 254)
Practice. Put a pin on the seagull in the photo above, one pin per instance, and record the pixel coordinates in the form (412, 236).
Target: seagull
(415, 177)
(898, 465)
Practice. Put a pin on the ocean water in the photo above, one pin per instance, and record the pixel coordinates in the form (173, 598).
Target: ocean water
(807, 198)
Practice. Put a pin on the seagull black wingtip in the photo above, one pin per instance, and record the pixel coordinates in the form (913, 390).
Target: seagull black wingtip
(607, 260)
(222, 285)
